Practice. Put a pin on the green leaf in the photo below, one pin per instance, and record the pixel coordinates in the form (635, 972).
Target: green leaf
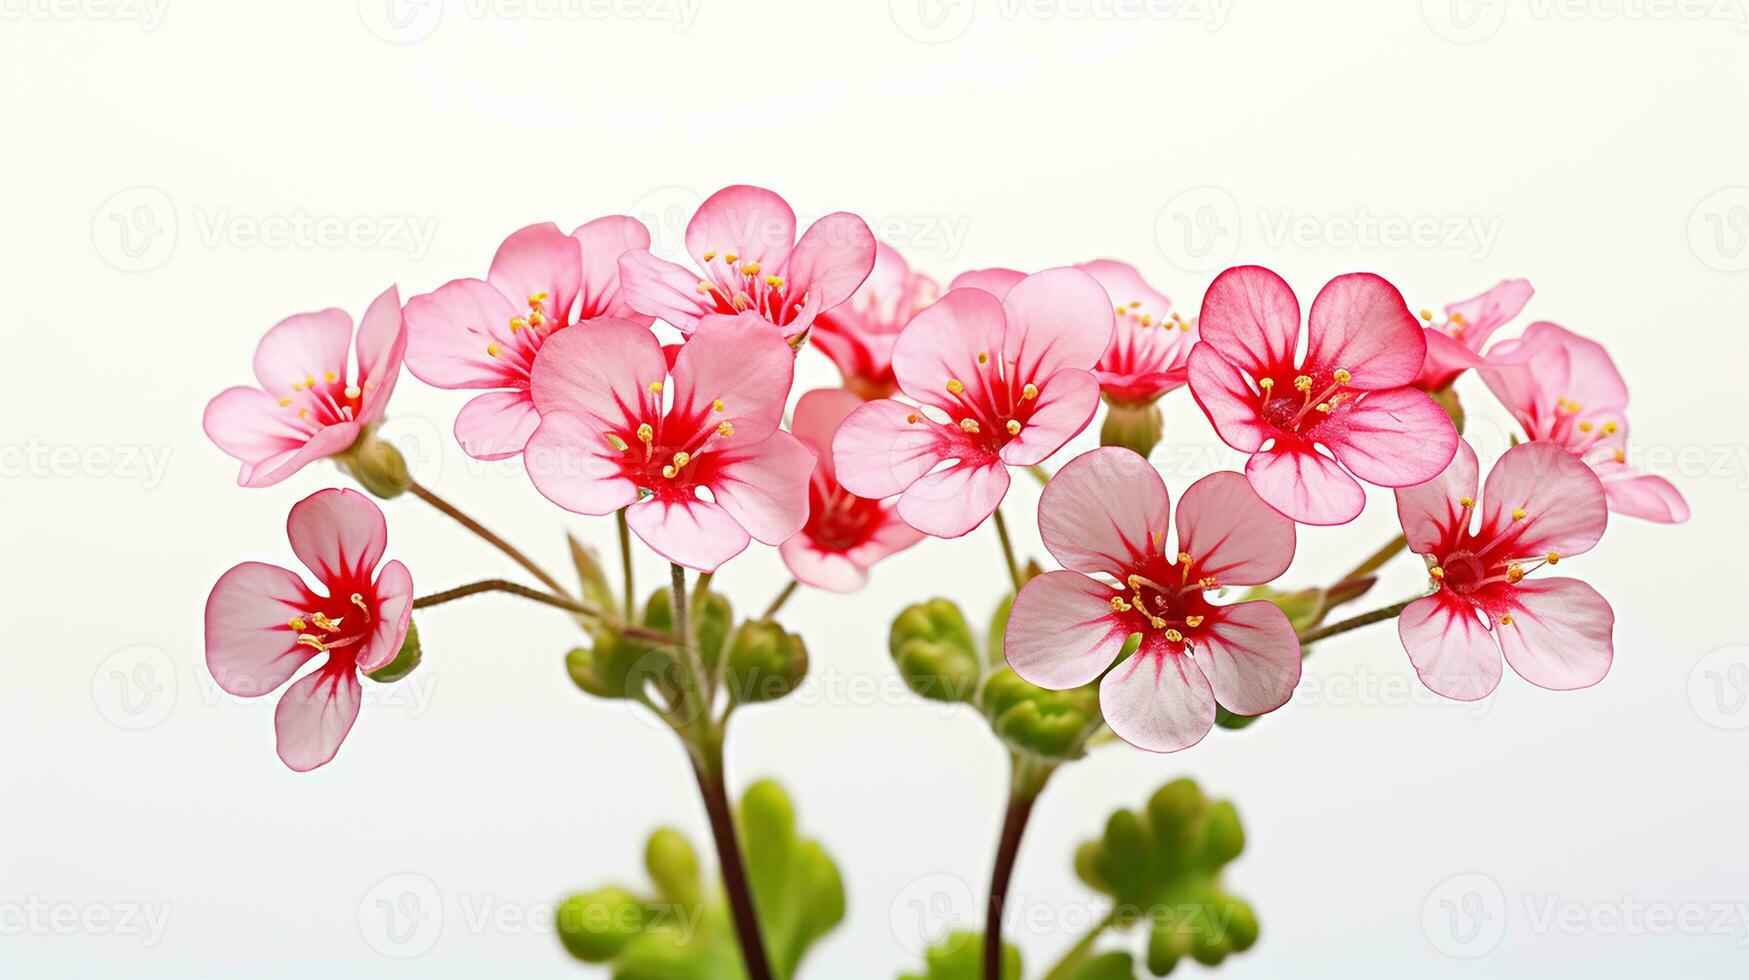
(961, 957)
(596, 590)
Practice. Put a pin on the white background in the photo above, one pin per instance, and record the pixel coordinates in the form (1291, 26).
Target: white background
(1599, 146)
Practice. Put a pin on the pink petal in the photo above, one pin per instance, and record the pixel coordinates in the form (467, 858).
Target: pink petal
(817, 417)
(832, 571)
(1484, 314)
(1561, 634)
(315, 714)
(1564, 504)
(1432, 514)
(250, 648)
(943, 343)
(695, 533)
(1158, 700)
(381, 347)
(1228, 399)
(764, 487)
(603, 368)
(1306, 486)
(601, 243)
(1250, 655)
(1125, 286)
(833, 258)
(1453, 654)
(659, 288)
(1057, 320)
(1067, 401)
(326, 442)
(1232, 535)
(539, 259)
(497, 424)
(448, 332)
(394, 610)
(1251, 317)
(1359, 323)
(742, 362)
(892, 536)
(1394, 438)
(571, 463)
(750, 223)
(1651, 498)
(303, 347)
(248, 424)
(1446, 359)
(951, 502)
(1062, 632)
(340, 535)
(877, 452)
(1564, 364)
(996, 282)
(1105, 511)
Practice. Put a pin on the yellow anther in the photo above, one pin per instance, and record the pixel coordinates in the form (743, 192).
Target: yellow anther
(655, 387)
(536, 318)
(1437, 572)
(1147, 320)
(358, 600)
(1118, 603)
(283, 402)
(309, 382)
(955, 386)
(983, 358)
(1553, 558)
(1621, 457)
(1518, 513)
(717, 405)
(1013, 427)
(1427, 315)
(731, 258)
(311, 641)
(725, 428)
(1173, 636)
(303, 413)
(1029, 392)
(1266, 384)
(1458, 318)
(330, 377)
(1610, 428)
(536, 299)
(749, 268)
(1193, 621)
(617, 443)
(1342, 376)
(710, 255)
(669, 471)
(646, 435)
(1585, 427)
(1506, 620)
(1323, 407)
(969, 425)
(704, 287)
(681, 459)
(1122, 311)
(1514, 574)
(1303, 383)
(1467, 502)
(517, 323)
(297, 623)
(1184, 557)
(493, 349)
(1208, 582)
(325, 624)
(911, 418)
(1134, 582)
(775, 282)
(354, 391)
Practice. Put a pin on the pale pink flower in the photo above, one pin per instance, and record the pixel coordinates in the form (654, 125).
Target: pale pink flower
(1454, 345)
(310, 405)
(998, 383)
(859, 335)
(744, 240)
(1349, 396)
(1565, 389)
(1104, 517)
(263, 623)
(619, 429)
(1541, 506)
(474, 333)
(845, 534)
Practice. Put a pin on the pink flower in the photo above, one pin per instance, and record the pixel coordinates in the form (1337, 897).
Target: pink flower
(1013, 379)
(474, 334)
(309, 405)
(263, 623)
(1349, 396)
(845, 534)
(859, 335)
(1105, 515)
(1455, 345)
(606, 441)
(1565, 389)
(1540, 506)
(744, 238)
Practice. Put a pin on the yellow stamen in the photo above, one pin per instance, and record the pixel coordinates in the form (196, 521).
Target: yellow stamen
(1193, 621)
(536, 318)
(1342, 376)
(1118, 603)
(704, 287)
(283, 402)
(646, 435)
(517, 323)
(493, 349)
(1585, 427)
(710, 255)
(725, 428)
(1173, 636)
(1610, 428)
(1553, 558)
(669, 471)
(1266, 384)
(325, 624)
(310, 641)
(911, 418)
(1518, 513)
(1303, 383)
(775, 282)
(749, 268)
(297, 623)
(303, 413)
(1013, 427)
(1437, 572)
(1514, 574)
(1467, 502)
(1506, 620)
(1029, 392)
(681, 459)
(330, 377)
(655, 387)
(1427, 315)
(969, 425)
(717, 405)
(358, 600)
(955, 386)
(731, 258)
(1621, 457)
(983, 358)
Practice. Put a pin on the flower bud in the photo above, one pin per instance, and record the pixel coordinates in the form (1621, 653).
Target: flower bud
(596, 926)
(673, 866)
(1133, 426)
(933, 649)
(617, 666)
(1049, 724)
(404, 662)
(710, 620)
(377, 466)
(765, 662)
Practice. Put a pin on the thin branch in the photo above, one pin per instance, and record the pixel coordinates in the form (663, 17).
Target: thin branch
(424, 493)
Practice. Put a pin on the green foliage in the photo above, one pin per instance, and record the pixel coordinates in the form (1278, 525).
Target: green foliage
(934, 650)
(961, 957)
(615, 665)
(765, 662)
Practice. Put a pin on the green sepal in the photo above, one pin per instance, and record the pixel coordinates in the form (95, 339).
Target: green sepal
(377, 466)
(1132, 426)
(406, 659)
(596, 590)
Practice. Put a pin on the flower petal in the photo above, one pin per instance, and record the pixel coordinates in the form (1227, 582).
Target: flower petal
(1067, 401)
(1561, 634)
(1399, 437)
(301, 348)
(750, 223)
(394, 610)
(1102, 511)
(1484, 314)
(1057, 320)
(339, 534)
(539, 259)
(698, 534)
(1250, 655)
(315, 714)
(1250, 316)
(659, 288)
(571, 463)
(1446, 359)
(1359, 323)
(1306, 486)
(1232, 535)
(1452, 651)
(742, 362)
(380, 348)
(603, 368)
(601, 242)
(1433, 514)
(497, 424)
(449, 331)
(249, 424)
(250, 648)
(764, 487)
(1565, 510)
(996, 282)
(832, 571)
(1158, 700)
(326, 442)
(816, 419)
(1063, 632)
(1227, 398)
(1651, 498)
(943, 343)
(878, 452)
(833, 258)
(951, 502)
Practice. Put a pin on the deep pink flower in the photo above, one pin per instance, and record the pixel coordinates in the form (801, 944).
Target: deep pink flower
(859, 335)
(1455, 344)
(619, 429)
(744, 238)
(473, 333)
(310, 405)
(1541, 506)
(1350, 395)
(1013, 379)
(845, 534)
(1565, 389)
(263, 623)
(1105, 514)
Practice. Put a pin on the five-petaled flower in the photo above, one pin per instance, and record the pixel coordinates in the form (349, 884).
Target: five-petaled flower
(310, 405)
(1013, 378)
(263, 623)
(618, 429)
(859, 335)
(1350, 394)
(474, 334)
(1565, 389)
(1105, 517)
(1541, 506)
(744, 241)
(845, 534)
(1454, 345)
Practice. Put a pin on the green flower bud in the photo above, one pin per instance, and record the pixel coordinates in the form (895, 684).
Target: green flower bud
(710, 620)
(1115, 965)
(1049, 724)
(617, 666)
(765, 662)
(404, 662)
(933, 649)
(673, 866)
(596, 591)
(377, 466)
(596, 926)
(1132, 426)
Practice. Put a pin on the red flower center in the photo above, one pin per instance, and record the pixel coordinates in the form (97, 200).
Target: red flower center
(337, 624)
(839, 520)
(1166, 597)
(736, 286)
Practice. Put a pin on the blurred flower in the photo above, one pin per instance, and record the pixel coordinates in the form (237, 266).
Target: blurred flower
(859, 335)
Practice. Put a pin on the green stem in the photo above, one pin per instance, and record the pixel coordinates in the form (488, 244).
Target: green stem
(1377, 559)
(516, 589)
(692, 704)
(1077, 954)
(625, 561)
(782, 597)
(1007, 549)
(1364, 619)
(424, 493)
(1039, 473)
(707, 765)
(1027, 780)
